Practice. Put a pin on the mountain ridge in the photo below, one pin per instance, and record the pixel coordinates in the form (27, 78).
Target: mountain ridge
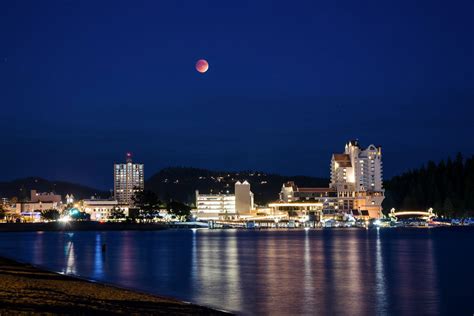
(21, 187)
(181, 183)
(176, 182)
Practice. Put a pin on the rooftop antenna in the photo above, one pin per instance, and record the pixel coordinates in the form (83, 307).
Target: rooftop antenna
(129, 157)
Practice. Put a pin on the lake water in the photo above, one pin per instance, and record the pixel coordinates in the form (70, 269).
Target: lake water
(277, 272)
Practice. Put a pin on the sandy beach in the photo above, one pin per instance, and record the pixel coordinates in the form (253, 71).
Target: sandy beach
(27, 290)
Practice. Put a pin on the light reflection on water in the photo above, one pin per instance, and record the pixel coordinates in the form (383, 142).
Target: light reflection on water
(380, 288)
(98, 258)
(355, 272)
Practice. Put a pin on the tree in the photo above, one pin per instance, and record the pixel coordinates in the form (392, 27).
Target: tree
(50, 215)
(77, 215)
(446, 186)
(117, 213)
(2, 212)
(180, 210)
(448, 207)
(148, 204)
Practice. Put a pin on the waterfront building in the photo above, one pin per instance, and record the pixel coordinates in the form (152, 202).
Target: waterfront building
(312, 211)
(36, 196)
(30, 210)
(290, 192)
(101, 209)
(38, 202)
(215, 206)
(225, 205)
(244, 200)
(356, 188)
(310, 203)
(39, 206)
(69, 199)
(357, 176)
(128, 179)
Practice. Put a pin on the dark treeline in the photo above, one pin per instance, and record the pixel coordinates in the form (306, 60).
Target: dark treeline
(447, 187)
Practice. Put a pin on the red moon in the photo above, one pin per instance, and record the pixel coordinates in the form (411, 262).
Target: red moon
(202, 65)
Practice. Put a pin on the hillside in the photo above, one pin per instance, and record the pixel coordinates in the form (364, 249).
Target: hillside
(20, 188)
(181, 183)
(447, 187)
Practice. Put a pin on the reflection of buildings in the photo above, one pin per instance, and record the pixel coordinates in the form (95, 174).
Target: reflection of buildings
(225, 205)
(128, 179)
(98, 257)
(216, 275)
(70, 258)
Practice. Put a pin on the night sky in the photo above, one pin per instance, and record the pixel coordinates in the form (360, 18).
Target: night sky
(83, 82)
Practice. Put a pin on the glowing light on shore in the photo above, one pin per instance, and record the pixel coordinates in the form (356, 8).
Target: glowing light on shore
(64, 219)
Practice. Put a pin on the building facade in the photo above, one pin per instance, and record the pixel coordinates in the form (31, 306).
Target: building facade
(243, 198)
(225, 205)
(356, 175)
(38, 202)
(356, 188)
(128, 179)
(315, 203)
(215, 206)
(325, 197)
(36, 196)
(101, 210)
(28, 206)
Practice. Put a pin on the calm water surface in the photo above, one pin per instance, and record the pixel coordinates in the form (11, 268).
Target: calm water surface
(327, 272)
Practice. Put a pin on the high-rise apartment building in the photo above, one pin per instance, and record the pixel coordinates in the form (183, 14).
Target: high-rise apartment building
(128, 179)
(357, 174)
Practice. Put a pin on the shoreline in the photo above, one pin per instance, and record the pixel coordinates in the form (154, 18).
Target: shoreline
(27, 289)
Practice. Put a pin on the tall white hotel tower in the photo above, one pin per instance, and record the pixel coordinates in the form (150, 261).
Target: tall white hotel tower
(128, 179)
(357, 176)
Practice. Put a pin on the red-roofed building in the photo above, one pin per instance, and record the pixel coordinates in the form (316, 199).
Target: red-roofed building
(356, 174)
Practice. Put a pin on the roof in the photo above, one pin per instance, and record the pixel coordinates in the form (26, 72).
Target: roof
(316, 190)
(344, 160)
(341, 157)
(289, 184)
(354, 142)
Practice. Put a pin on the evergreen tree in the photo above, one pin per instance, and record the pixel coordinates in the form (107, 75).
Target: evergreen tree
(448, 187)
(50, 215)
(148, 204)
(180, 210)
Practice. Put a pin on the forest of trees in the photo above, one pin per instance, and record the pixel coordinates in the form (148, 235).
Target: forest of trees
(447, 187)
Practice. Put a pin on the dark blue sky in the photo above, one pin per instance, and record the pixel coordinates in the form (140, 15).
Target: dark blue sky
(83, 82)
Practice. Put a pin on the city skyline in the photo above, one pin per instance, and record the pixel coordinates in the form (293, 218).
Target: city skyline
(215, 157)
(85, 82)
(108, 183)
